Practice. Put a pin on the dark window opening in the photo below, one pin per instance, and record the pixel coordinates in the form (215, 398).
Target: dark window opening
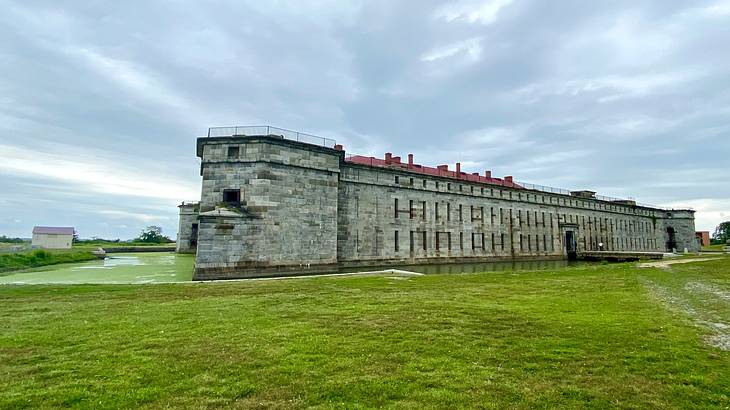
(194, 236)
(232, 196)
(233, 152)
(395, 239)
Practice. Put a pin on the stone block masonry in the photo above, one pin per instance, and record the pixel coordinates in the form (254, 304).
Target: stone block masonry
(270, 206)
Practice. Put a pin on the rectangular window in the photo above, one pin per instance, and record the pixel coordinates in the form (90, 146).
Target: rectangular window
(413, 245)
(233, 151)
(502, 241)
(232, 196)
(424, 183)
(461, 215)
(410, 182)
(424, 241)
(461, 240)
(395, 207)
(395, 241)
(492, 241)
(477, 241)
(448, 186)
(436, 210)
(448, 211)
(397, 179)
(528, 217)
(410, 209)
(423, 204)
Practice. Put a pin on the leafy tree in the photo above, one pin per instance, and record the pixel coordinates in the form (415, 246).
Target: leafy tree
(5, 239)
(153, 234)
(722, 233)
(76, 237)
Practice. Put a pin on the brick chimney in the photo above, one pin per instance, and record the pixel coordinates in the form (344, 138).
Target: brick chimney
(388, 157)
(458, 169)
(488, 174)
(508, 179)
(339, 147)
(410, 160)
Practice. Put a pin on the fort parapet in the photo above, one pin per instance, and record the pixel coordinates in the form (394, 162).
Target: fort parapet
(272, 205)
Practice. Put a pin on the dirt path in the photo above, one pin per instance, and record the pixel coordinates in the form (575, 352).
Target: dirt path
(667, 263)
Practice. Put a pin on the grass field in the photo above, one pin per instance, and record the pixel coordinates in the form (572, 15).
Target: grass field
(40, 257)
(597, 336)
(714, 248)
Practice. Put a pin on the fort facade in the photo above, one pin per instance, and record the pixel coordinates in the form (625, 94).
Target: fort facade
(276, 202)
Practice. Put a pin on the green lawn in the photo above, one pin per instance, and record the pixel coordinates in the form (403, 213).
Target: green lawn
(714, 248)
(598, 336)
(41, 257)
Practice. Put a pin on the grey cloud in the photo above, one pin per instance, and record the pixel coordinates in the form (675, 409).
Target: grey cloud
(625, 97)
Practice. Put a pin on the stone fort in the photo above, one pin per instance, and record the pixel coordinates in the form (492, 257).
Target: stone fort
(277, 202)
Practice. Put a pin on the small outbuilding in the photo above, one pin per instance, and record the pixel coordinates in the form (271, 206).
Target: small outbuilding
(53, 237)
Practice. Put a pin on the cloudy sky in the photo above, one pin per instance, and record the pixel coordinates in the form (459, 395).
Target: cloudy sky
(101, 101)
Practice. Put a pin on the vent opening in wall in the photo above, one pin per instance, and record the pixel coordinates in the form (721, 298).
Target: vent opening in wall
(232, 196)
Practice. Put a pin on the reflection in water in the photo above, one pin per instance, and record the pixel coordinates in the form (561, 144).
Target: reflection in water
(171, 267)
(504, 266)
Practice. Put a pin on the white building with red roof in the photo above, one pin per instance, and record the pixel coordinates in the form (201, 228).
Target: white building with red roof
(53, 237)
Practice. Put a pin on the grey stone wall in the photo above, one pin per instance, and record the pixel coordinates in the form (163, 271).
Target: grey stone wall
(481, 221)
(683, 224)
(187, 236)
(287, 215)
(303, 208)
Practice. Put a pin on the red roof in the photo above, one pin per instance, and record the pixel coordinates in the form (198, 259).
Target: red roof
(53, 230)
(422, 169)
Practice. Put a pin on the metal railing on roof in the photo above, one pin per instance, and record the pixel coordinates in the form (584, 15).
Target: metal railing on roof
(267, 130)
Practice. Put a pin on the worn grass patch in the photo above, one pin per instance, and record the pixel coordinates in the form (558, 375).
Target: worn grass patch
(592, 336)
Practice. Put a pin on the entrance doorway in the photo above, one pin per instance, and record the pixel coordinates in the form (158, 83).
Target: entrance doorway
(672, 242)
(570, 245)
